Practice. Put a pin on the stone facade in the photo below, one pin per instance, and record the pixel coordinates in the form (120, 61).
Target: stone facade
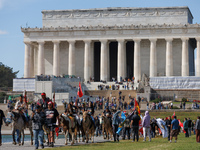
(163, 42)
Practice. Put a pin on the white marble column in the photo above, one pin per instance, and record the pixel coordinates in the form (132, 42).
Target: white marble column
(108, 62)
(32, 73)
(92, 60)
(153, 58)
(27, 60)
(41, 67)
(121, 60)
(104, 61)
(185, 61)
(87, 60)
(56, 58)
(137, 61)
(72, 59)
(169, 57)
(35, 60)
(198, 58)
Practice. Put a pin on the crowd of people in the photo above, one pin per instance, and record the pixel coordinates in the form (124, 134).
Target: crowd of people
(133, 125)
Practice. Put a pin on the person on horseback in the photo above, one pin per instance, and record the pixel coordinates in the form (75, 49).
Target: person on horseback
(22, 108)
(52, 116)
(90, 110)
(107, 113)
(43, 102)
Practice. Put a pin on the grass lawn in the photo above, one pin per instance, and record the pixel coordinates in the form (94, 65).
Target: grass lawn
(180, 115)
(182, 103)
(157, 143)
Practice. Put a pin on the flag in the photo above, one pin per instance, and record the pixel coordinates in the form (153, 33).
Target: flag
(25, 97)
(162, 126)
(137, 107)
(181, 125)
(140, 125)
(80, 93)
(123, 117)
(173, 115)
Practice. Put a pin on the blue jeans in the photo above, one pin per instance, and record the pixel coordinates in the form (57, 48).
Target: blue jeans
(17, 135)
(97, 131)
(39, 133)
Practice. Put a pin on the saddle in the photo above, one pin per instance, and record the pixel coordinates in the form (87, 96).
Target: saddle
(70, 119)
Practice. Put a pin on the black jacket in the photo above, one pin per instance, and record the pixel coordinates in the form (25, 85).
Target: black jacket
(168, 122)
(136, 120)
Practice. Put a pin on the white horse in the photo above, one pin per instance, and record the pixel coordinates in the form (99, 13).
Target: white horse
(19, 124)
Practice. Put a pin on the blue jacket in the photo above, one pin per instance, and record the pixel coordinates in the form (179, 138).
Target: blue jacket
(116, 118)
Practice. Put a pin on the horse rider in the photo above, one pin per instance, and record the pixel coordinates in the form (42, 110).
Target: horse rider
(22, 107)
(90, 110)
(43, 102)
(52, 116)
(107, 113)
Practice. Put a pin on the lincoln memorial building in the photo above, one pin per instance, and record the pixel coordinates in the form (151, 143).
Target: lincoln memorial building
(113, 42)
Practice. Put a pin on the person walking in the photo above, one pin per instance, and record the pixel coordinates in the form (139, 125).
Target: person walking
(168, 124)
(146, 125)
(38, 120)
(126, 127)
(174, 129)
(153, 125)
(197, 129)
(184, 105)
(185, 126)
(115, 123)
(189, 126)
(97, 125)
(52, 116)
(135, 126)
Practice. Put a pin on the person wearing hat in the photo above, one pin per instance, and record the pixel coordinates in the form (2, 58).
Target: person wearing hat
(43, 102)
(38, 120)
(52, 116)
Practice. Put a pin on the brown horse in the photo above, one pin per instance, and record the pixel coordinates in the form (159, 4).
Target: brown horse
(107, 126)
(69, 125)
(88, 127)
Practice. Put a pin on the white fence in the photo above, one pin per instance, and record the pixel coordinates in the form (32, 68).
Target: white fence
(190, 82)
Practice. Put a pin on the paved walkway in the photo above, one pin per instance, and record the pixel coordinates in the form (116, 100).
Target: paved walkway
(58, 143)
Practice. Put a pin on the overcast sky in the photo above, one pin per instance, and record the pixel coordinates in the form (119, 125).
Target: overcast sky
(27, 13)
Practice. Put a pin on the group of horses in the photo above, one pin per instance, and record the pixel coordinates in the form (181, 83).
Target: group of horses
(72, 128)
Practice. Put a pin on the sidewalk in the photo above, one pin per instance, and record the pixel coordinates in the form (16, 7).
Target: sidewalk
(58, 143)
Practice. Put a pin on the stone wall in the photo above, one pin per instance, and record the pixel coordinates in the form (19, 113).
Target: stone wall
(189, 94)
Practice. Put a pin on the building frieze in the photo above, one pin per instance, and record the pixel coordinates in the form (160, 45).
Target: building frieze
(111, 12)
(109, 31)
